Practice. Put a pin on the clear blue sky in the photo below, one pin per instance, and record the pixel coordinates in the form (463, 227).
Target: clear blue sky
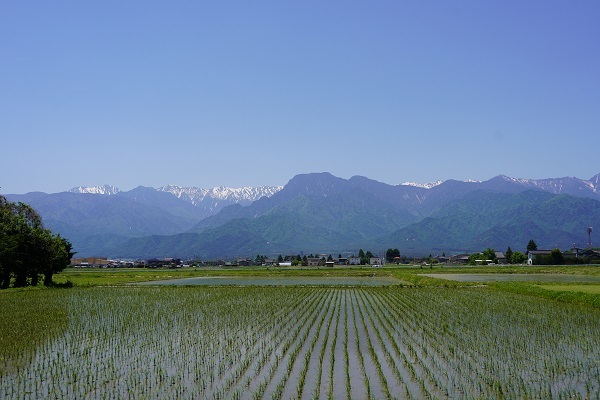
(247, 93)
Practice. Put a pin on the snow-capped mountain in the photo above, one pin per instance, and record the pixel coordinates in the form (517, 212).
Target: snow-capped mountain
(314, 209)
(243, 195)
(428, 185)
(566, 185)
(106, 190)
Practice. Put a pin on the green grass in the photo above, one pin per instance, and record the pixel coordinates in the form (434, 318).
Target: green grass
(589, 298)
(28, 317)
(591, 289)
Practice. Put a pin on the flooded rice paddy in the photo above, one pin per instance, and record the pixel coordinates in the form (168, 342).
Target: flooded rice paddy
(253, 342)
(279, 281)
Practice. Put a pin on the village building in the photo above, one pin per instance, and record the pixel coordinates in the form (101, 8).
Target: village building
(314, 261)
(500, 257)
(354, 261)
(460, 259)
(531, 254)
(375, 261)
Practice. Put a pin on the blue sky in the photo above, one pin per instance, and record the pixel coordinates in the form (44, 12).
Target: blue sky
(204, 94)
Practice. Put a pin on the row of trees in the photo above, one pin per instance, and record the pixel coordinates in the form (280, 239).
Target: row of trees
(28, 251)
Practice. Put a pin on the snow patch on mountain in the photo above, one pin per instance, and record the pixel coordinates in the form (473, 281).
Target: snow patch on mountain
(428, 185)
(244, 195)
(106, 190)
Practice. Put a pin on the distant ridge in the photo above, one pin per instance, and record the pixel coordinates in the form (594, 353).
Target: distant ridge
(319, 212)
(195, 195)
(106, 190)
(243, 195)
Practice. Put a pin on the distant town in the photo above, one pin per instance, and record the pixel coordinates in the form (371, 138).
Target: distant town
(532, 256)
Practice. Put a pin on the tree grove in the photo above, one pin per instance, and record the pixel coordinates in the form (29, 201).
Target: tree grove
(28, 251)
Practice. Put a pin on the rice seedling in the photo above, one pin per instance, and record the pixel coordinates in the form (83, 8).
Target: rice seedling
(295, 342)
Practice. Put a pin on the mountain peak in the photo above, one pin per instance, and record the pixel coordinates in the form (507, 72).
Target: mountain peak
(595, 183)
(105, 190)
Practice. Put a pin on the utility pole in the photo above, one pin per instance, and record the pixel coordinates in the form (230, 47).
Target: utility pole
(589, 231)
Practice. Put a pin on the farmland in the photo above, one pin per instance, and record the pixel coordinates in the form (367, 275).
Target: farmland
(299, 342)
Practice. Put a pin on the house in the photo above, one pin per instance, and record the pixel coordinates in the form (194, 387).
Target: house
(460, 259)
(442, 259)
(500, 257)
(314, 261)
(342, 261)
(329, 263)
(90, 262)
(375, 261)
(590, 253)
(244, 262)
(531, 254)
(354, 260)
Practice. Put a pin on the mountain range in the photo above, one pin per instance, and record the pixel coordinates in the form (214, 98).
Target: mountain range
(319, 212)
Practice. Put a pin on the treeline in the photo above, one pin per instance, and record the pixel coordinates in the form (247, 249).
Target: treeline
(28, 251)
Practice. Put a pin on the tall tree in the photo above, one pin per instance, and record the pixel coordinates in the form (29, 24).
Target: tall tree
(508, 255)
(531, 245)
(60, 258)
(557, 257)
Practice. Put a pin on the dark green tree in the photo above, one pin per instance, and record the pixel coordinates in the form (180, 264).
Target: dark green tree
(508, 255)
(61, 253)
(557, 257)
(28, 250)
(390, 254)
(531, 245)
(474, 257)
(490, 254)
(517, 257)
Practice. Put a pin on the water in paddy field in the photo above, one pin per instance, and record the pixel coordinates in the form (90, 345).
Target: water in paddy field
(313, 343)
(278, 281)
